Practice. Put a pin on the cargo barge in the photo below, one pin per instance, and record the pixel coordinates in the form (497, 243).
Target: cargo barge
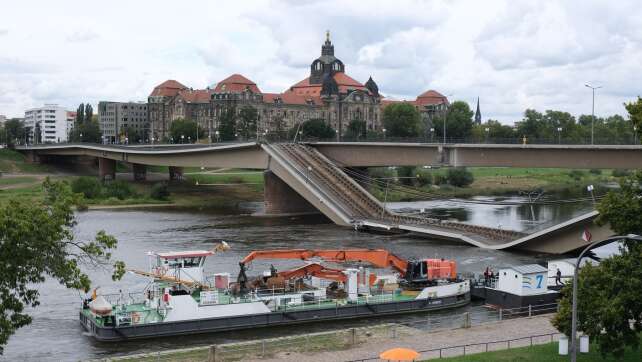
(181, 300)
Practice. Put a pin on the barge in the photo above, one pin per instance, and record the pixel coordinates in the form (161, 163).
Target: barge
(180, 299)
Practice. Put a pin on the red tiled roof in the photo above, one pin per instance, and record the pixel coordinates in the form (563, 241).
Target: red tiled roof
(291, 98)
(431, 97)
(167, 88)
(236, 83)
(344, 82)
(196, 95)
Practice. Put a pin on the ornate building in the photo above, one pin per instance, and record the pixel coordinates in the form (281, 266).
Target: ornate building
(328, 93)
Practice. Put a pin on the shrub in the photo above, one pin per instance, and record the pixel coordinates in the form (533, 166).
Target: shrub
(595, 171)
(424, 177)
(90, 187)
(440, 179)
(159, 191)
(405, 174)
(621, 172)
(459, 177)
(119, 189)
(576, 174)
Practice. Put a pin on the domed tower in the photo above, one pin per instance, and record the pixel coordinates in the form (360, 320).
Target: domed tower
(372, 87)
(327, 63)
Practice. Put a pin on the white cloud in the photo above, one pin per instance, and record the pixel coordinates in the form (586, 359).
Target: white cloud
(513, 55)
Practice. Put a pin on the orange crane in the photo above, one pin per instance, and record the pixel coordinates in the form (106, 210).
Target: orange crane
(416, 272)
(319, 271)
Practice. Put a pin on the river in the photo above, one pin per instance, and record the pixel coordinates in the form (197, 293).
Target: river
(56, 335)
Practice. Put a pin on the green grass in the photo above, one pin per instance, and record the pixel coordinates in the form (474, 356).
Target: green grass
(14, 161)
(542, 353)
(5, 181)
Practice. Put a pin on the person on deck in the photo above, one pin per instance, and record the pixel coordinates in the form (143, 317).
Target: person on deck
(558, 277)
(486, 276)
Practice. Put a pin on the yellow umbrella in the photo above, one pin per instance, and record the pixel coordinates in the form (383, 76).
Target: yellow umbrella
(399, 354)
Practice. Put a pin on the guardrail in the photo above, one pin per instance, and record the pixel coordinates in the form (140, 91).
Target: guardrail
(439, 352)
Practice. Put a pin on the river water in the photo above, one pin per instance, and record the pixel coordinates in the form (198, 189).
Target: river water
(56, 335)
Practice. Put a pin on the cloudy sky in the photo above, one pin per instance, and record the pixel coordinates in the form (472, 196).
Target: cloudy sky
(512, 54)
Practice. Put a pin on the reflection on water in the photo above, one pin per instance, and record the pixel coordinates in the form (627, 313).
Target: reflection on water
(55, 334)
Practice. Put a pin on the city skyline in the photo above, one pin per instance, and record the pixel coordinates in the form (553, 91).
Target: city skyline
(513, 57)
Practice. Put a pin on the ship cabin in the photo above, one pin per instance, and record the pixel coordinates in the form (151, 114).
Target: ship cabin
(185, 266)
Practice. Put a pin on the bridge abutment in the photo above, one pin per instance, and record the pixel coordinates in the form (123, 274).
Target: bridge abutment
(140, 171)
(282, 199)
(175, 173)
(106, 169)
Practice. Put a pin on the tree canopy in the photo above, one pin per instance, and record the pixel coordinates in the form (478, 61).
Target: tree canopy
(86, 128)
(184, 130)
(609, 297)
(356, 130)
(227, 125)
(37, 241)
(401, 120)
(246, 124)
(14, 131)
(317, 128)
(459, 121)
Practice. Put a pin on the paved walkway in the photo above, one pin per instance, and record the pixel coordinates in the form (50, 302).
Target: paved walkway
(504, 330)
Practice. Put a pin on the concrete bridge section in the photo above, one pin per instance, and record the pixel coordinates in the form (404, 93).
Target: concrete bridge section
(376, 154)
(308, 177)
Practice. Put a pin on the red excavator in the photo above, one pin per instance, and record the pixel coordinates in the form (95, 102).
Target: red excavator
(414, 272)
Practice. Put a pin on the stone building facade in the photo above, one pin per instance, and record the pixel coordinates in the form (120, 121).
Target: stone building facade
(115, 118)
(328, 93)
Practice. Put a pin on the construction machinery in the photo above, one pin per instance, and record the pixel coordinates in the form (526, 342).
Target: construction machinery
(413, 273)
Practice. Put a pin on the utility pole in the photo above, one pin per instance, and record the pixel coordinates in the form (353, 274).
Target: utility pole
(592, 112)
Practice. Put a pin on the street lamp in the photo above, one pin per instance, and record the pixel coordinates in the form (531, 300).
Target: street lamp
(81, 137)
(592, 112)
(487, 133)
(384, 134)
(559, 135)
(635, 135)
(336, 131)
(182, 138)
(595, 244)
(432, 134)
(217, 134)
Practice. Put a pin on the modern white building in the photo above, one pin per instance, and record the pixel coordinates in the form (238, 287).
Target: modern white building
(48, 124)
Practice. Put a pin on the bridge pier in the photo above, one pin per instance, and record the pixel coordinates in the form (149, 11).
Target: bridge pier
(106, 169)
(282, 199)
(175, 173)
(32, 157)
(140, 171)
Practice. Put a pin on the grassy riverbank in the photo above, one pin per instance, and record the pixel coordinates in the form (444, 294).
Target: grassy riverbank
(543, 353)
(496, 181)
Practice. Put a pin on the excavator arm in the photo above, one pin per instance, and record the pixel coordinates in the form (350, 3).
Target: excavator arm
(377, 257)
(319, 271)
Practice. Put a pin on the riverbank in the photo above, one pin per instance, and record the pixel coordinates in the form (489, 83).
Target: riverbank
(359, 343)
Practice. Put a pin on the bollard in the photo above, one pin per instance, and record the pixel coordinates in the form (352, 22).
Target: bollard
(353, 333)
(211, 355)
(467, 321)
(263, 348)
(501, 311)
(530, 311)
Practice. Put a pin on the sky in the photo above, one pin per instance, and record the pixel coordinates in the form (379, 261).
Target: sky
(513, 55)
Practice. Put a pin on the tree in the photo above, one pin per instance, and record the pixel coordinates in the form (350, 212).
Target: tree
(459, 121)
(14, 130)
(37, 241)
(246, 125)
(278, 127)
(609, 299)
(356, 129)
(227, 125)
(635, 112)
(132, 134)
(497, 132)
(89, 113)
(459, 177)
(86, 124)
(317, 128)
(401, 120)
(183, 127)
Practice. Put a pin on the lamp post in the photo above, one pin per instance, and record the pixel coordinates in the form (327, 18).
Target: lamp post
(487, 130)
(337, 133)
(432, 134)
(575, 274)
(384, 134)
(635, 135)
(559, 135)
(81, 137)
(217, 134)
(182, 138)
(592, 112)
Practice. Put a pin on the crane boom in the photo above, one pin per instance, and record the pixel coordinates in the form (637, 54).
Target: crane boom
(377, 257)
